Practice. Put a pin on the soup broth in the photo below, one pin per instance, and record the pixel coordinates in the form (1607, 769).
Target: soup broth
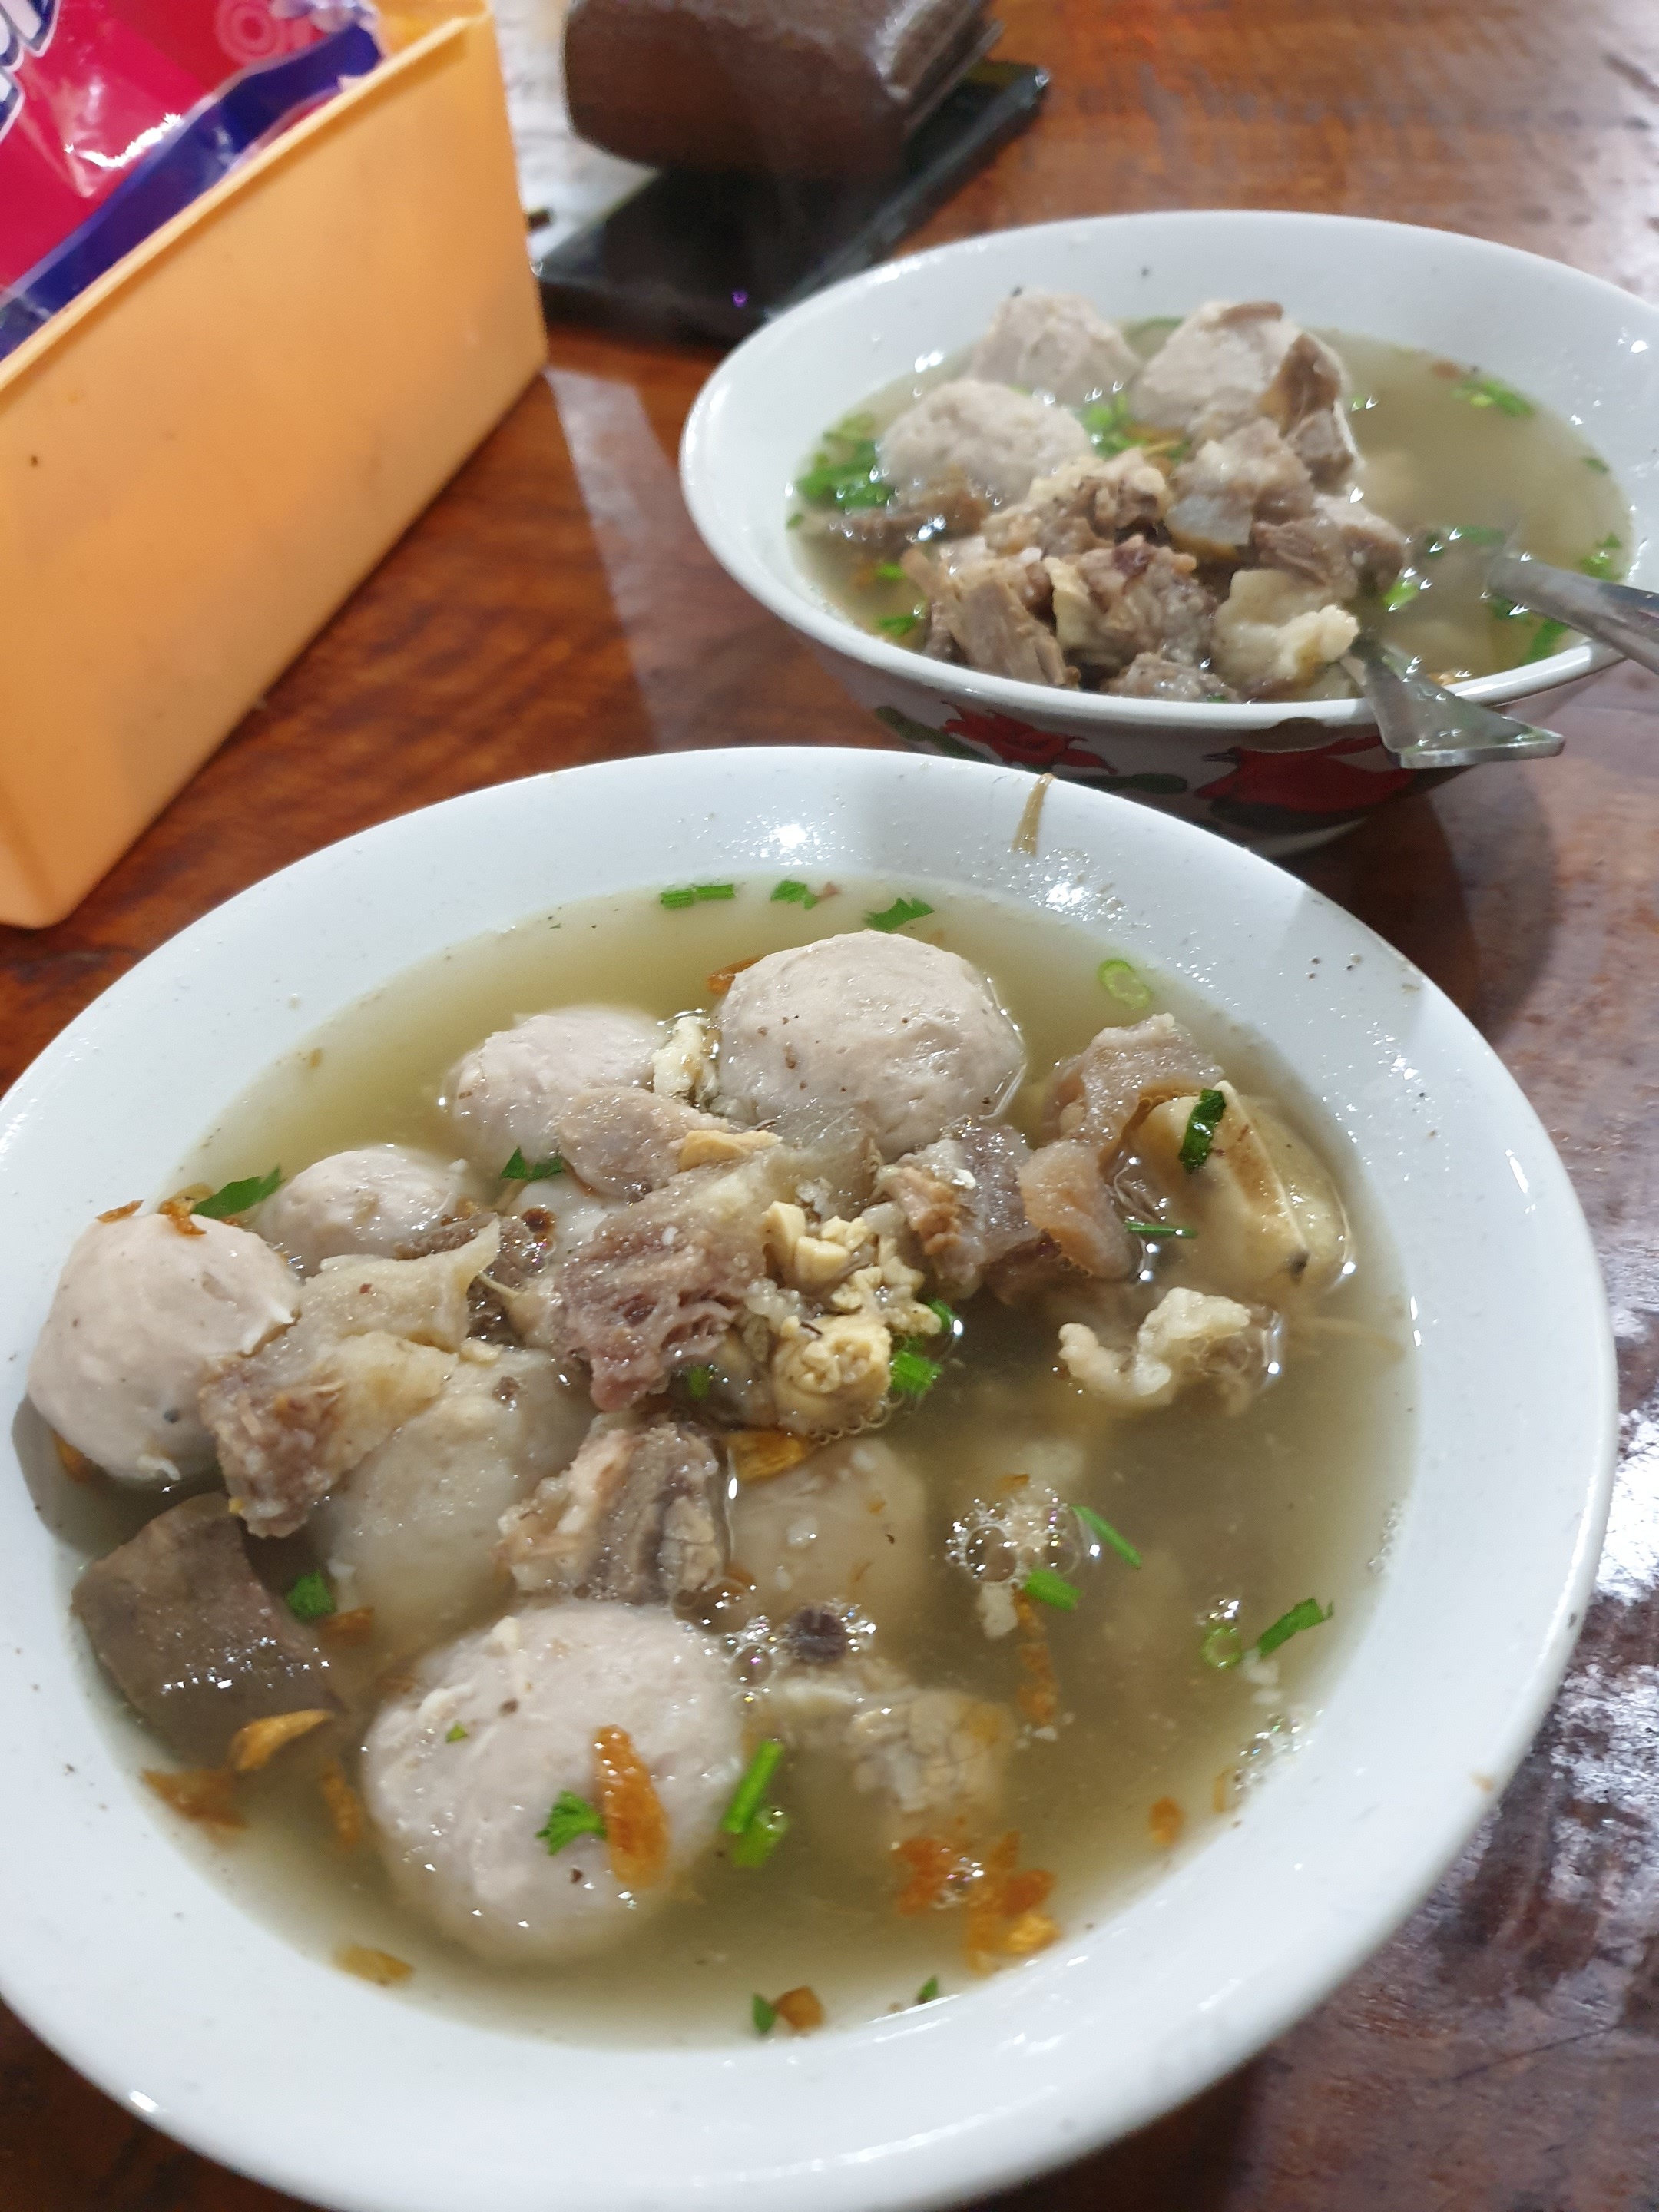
(1147, 1746)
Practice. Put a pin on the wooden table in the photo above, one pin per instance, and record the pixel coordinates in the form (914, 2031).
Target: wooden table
(1502, 2055)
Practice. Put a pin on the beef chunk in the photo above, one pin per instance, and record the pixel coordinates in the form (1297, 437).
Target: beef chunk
(1082, 506)
(1232, 483)
(1150, 676)
(949, 509)
(635, 1517)
(191, 1636)
(991, 609)
(961, 1199)
(1123, 600)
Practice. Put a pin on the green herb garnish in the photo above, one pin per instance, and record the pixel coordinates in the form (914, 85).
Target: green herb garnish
(1103, 1532)
(1401, 592)
(1603, 563)
(790, 893)
(1125, 984)
(761, 1837)
(795, 521)
(763, 2014)
(311, 1598)
(685, 895)
(947, 1316)
(1049, 1588)
(239, 1197)
(698, 1382)
(746, 1798)
(912, 1373)
(1360, 402)
(928, 1990)
(518, 1169)
(1477, 533)
(898, 625)
(571, 1816)
(901, 911)
(457, 1734)
(1306, 1615)
(1487, 392)
(1150, 1228)
(679, 898)
(1106, 422)
(888, 572)
(1595, 461)
(1221, 1647)
(1545, 639)
(846, 473)
(1201, 1130)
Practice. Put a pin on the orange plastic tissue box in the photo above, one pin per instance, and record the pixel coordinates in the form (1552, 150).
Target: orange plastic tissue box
(203, 454)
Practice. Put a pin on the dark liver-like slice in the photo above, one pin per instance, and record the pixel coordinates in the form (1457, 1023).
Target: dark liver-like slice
(192, 1636)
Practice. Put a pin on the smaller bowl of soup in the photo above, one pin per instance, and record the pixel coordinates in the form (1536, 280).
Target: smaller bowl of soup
(1115, 498)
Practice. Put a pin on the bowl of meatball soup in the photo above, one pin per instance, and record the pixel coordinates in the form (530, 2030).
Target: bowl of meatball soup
(1115, 498)
(759, 1471)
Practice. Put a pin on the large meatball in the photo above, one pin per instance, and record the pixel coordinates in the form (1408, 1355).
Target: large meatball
(1053, 341)
(369, 1202)
(511, 1091)
(144, 1311)
(1001, 441)
(848, 1525)
(899, 1035)
(461, 1772)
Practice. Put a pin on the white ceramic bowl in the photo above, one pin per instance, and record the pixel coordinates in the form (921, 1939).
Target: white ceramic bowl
(1278, 776)
(147, 1977)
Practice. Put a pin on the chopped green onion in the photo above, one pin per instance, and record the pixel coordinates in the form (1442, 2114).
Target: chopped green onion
(715, 890)
(1360, 402)
(1104, 1531)
(1479, 533)
(947, 1316)
(1306, 1615)
(1400, 592)
(571, 1816)
(1106, 422)
(1603, 562)
(746, 1798)
(795, 520)
(1595, 461)
(699, 1381)
(1487, 392)
(895, 916)
(1150, 1228)
(912, 1373)
(898, 625)
(790, 893)
(1221, 1647)
(457, 1734)
(311, 1598)
(1201, 1130)
(851, 479)
(888, 572)
(518, 1169)
(679, 898)
(1125, 984)
(239, 1197)
(1049, 1588)
(763, 2014)
(854, 426)
(761, 1837)
(928, 1990)
(1545, 639)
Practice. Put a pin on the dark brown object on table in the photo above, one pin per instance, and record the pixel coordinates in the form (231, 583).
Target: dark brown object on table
(1502, 2054)
(191, 1636)
(828, 90)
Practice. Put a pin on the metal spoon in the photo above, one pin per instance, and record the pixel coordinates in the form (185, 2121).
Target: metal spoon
(1620, 615)
(1424, 725)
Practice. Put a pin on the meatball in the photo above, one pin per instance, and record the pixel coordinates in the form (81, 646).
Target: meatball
(143, 1312)
(847, 1525)
(999, 440)
(511, 1091)
(1053, 341)
(370, 1202)
(901, 1036)
(456, 1813)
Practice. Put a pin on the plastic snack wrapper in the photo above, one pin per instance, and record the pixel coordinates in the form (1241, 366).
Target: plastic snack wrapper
(114, 114)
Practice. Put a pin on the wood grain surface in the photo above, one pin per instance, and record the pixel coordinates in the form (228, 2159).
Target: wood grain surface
(1502, 2055)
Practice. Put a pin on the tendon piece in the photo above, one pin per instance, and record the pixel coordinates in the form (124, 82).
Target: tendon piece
(374, 1199)
(1256, 1245)
(1272, 634)
(139, 1320)
(1150, 676)
(988, 612)
(848, 1527)
(998, 441)
(1189, 1337)
(961, 1201)
(192, 1637)
(1123, 600)
(635, 1517)
(1099, 1095)
(623, 1142)
(460, 1770)
(1067, 1200)
(1083, 505)
(511, 1093)
(1212, 371)
(1056, 343)
(1232, 484)
(684, 1068)
(635, 1826)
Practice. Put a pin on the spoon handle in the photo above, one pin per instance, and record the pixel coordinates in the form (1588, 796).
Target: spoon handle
(1617, 614)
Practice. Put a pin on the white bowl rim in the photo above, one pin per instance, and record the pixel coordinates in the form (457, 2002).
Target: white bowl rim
(130, 1999)
(701, 487)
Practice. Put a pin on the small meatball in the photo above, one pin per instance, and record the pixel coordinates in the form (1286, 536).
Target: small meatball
(1149, 676)
(1189, 1338)
(1099, 1093)
(374, 1199)
(999, 440)
(846, 1527)
(144, 1313)
(1123, 600)
(1066, 1198)
(1231, 486)
(1056, 343)
(412, 1530)
(904, 1037)
(635, 1517)
(457, 1816)
(1211, 374)
(1082, 506)
(511, 1093)
(1274, 634)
